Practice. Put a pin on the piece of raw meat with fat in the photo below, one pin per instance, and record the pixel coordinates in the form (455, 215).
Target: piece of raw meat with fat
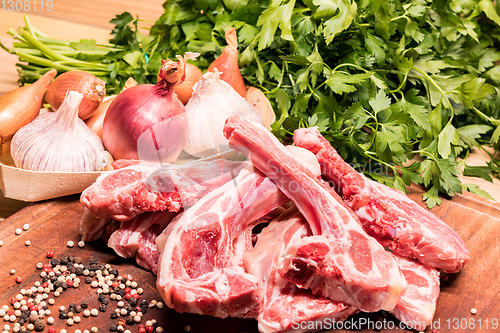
(140, 186)
(340, 261)
(90, 227)
(199, 271)
(387, 214)
(417, 305)
(136, 238)
(283, 306)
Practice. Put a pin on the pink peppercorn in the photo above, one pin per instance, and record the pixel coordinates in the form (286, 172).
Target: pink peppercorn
(127, 290)
(142, 329)
(50, 254)
(69, 283)
(13, 300)
(52, 329)
(136, 296)
(128, 296)
(45, 284)
(149, 329)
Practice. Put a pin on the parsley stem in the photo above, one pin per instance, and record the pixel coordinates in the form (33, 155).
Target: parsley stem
(349, 64)
(446, 102)
(494, 121)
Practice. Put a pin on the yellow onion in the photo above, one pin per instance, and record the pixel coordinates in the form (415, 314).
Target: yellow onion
(185, 90)
(95, 122)
(20, 106)
(227, 64)
(92, 88)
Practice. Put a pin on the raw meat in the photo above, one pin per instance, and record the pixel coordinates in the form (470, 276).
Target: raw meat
(136, 238)
(199, 271)
(139, 186)
(91, 227)
(283, 306)
(340, 261)
(417, 304)
(389, 215)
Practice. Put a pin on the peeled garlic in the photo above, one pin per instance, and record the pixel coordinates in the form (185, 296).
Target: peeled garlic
(57, 141)
(213, 101)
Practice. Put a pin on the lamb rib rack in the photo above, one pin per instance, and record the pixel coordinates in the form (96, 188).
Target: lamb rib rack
(340, 261)
(387, 214)
(199, 268)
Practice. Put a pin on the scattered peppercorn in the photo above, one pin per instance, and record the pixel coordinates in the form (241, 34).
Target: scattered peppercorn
(84, 305)
(88, 280)
(39, 325)
(50, 254)
(113, 315)
(103, 307)
(113, 327)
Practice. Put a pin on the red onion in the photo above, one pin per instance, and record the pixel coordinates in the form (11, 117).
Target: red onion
(147, 121)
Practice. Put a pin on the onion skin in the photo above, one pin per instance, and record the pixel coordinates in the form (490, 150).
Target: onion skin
(95, 122)
(185, 90)
(227, 64)
(92, 88)
(147, 121)
(20, 106)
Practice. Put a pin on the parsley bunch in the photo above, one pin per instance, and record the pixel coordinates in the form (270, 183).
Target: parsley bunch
(404, 90)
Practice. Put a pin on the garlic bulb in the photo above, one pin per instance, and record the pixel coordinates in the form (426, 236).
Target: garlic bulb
(57, 141)
(213, 101)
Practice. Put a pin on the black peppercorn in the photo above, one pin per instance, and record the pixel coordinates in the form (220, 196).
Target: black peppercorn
(54, 262)
(133, 301)
(64, 260)
(79, 271)
(103, 307)
(78, 260)
(21, 321)
(91, 273)
(84, 305)
(105, 301)
(113, 327)
(88, 280)
(130, 320)
(93, 261)
(86, 267)
(101, 267)
(123, 280)
(78, 309)
(114, 272)
(63, 315)
(113, 315)
(64, 285)
(71, 259)
(93, 267)
(101, 297)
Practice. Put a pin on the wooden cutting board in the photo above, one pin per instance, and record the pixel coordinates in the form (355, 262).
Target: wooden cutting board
(53, 223)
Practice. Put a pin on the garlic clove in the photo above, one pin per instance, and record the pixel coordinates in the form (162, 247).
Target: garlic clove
(213, 101)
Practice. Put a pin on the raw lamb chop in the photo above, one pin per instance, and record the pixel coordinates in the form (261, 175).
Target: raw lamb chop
(389, 215)
(284, 306)
(91, 227)
(417, 304)
(340, 261)
(140, 186)
(136, 238)
(198, 270)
